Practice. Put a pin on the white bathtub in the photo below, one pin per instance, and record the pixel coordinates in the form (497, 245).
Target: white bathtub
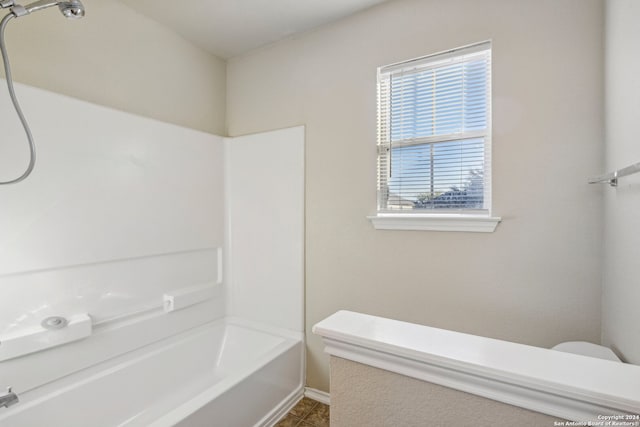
(227, 373)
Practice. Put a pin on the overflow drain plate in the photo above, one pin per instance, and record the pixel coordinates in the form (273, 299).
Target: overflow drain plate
(54, 322)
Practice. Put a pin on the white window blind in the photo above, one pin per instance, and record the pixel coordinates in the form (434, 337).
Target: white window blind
(434, 136)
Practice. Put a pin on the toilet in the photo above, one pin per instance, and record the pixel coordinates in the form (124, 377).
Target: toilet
(587, 349)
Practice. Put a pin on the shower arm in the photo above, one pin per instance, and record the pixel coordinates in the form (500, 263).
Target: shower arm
(70, 8)
(18, 10)
(38, 5)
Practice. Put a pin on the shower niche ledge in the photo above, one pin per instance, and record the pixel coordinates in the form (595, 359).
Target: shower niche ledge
(541, 380)
(42, 337)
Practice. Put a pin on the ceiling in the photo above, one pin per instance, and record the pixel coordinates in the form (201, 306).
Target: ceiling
(227, 28)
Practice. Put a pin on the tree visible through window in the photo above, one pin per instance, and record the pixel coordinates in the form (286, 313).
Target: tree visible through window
(434, 133)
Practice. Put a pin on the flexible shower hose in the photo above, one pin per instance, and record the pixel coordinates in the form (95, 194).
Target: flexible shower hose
(16, 105)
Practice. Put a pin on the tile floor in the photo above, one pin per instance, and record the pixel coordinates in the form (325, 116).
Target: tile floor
(307, 413)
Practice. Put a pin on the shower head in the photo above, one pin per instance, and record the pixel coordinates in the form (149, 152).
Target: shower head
(70, 9)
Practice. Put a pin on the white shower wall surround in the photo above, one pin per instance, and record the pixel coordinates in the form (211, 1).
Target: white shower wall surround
(266, 261)
(118, 210)
(122, 210)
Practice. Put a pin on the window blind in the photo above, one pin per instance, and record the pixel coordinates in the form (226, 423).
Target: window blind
(434, 134)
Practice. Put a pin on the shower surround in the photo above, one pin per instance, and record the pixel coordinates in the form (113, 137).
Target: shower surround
(122, 213)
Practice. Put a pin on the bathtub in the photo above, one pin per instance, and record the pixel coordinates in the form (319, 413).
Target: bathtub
(227, 373)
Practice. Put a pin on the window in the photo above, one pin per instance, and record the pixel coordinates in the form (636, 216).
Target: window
(434, 135)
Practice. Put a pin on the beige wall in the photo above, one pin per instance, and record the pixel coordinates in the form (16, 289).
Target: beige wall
(621, 289)
(119, 58)
(536, 280)
(362, 395)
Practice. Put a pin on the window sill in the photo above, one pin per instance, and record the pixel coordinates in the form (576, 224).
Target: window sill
(435, 222)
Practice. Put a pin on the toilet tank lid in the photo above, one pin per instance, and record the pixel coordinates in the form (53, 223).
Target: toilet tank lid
(587, 349)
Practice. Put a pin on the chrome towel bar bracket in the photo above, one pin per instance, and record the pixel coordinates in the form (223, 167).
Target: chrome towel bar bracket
(612, 177)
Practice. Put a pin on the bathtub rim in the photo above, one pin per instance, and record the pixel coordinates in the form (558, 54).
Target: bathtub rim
(198, 401)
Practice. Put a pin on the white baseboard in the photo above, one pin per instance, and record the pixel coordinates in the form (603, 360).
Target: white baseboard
(318, 395)
(281, 410)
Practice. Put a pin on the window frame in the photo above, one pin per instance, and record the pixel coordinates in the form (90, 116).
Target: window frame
(462, 219)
